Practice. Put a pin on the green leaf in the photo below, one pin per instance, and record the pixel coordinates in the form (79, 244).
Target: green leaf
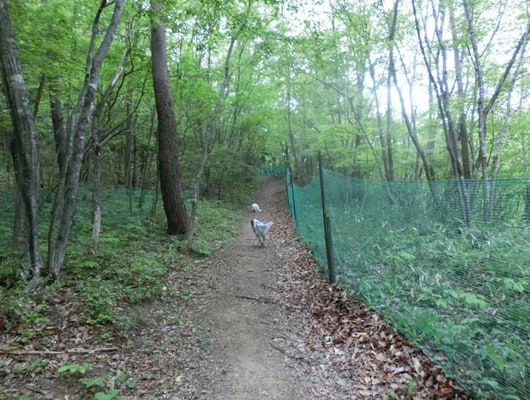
(108, 395)
(89, 382)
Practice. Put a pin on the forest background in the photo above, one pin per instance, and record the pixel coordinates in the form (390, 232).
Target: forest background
(386, 90)
(193, 97)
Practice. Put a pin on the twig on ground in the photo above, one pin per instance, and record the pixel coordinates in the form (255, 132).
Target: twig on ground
(258, 299)
(51, 353)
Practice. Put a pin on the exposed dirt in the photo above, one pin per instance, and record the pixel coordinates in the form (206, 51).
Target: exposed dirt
(249, 323)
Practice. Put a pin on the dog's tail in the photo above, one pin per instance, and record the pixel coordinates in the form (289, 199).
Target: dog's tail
(268, 226)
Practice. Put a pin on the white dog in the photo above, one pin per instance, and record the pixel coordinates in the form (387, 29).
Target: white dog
(261, 231)
(255, 207)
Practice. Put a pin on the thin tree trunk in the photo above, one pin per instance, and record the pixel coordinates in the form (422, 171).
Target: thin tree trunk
(207, 132)
(97, 147)
(148, 155)
(297, 163)
(484, 107)
(440, 83)
(380, 128)
(443, 89)
(410, 128)
(24, 141)
(96, 184)
(65, 200)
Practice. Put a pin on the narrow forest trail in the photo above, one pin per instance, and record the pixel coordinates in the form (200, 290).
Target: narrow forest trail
(263, 324)
(243, 314)
(229, 329)
(247, 323)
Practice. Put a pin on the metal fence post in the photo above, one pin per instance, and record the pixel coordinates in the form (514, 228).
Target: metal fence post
(290, 195)
(327, 224)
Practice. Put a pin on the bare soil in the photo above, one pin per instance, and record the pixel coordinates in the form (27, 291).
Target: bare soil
(249, 323)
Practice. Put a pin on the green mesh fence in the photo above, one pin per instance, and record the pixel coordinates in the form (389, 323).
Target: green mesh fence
(447, 263)
(119, 207)
(273, 170)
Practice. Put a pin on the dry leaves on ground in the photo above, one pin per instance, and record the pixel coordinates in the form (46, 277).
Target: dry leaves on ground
(355, 351)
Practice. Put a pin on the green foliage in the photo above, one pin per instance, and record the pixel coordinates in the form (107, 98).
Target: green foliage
(322, 75)
(32, 366)
(12, 269)
(102, 387)
(75, 368)
(11, 307)
(130, 266)
(111, 394)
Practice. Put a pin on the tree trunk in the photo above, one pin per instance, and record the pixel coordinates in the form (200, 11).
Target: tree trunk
(168, 168)
(429, 174)
(439, 79)
(147, 157)
(207, 133)
(65, 200)
(97, 146)
(384, 136)
(485, 106)
(24, 142)
(298, 166)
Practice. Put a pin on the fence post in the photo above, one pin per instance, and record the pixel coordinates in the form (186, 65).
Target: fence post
(292, 201)
(327, 224)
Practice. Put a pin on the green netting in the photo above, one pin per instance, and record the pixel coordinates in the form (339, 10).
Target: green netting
(273, 170)
(119, 207)
(446, 262)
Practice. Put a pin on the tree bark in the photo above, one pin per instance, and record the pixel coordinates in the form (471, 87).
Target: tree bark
(24, 143)
(170, 182)
(65, 199)
(97, 146)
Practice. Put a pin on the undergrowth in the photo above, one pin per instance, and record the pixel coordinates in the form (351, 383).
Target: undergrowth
(461, 295)
(131, 265)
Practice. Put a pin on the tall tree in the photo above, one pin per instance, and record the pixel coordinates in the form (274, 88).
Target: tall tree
(24, 144)
(74, 142)
(456, 60)
(98, 143)
(208, 131)
(429, 173)
(485, 105)
(178, 221)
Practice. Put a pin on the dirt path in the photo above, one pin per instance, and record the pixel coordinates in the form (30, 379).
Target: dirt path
(229, 330)
(242, 315)
(262, 324)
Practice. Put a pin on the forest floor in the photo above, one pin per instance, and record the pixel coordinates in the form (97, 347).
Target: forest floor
(248, 323)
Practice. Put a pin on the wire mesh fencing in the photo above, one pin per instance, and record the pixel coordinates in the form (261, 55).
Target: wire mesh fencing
(447, 262)
(119, 207)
